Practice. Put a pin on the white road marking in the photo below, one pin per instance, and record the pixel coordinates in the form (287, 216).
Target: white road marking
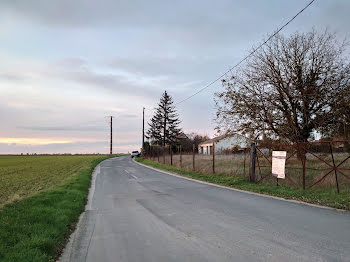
(130, 174)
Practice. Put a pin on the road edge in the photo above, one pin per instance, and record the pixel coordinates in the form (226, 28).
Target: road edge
(67, 251)
(240, 190)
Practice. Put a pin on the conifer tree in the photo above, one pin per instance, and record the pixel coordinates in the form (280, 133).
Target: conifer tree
(164, 125)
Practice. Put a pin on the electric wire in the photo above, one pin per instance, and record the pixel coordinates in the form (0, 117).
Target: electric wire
(247, 56)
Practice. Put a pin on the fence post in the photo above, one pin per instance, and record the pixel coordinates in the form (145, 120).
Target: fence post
(213, 157)
(245, 152)
(180, 156)
(304, 170)
(252, 166)
(193, 156)
(302, 153)
(158, 153)
(334, 167)
(171, 156)
(163, 154)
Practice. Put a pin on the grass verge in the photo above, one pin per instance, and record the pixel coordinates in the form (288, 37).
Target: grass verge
(328, 197)
(37, 227)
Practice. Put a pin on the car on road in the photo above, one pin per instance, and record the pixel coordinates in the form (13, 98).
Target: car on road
(135, 154)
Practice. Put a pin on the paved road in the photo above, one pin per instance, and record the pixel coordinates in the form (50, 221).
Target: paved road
(140, 215)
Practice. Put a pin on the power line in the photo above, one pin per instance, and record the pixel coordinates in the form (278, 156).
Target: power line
(246, 57)
(150, 109)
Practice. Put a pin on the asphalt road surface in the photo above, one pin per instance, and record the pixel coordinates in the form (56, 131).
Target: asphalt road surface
(141, 215)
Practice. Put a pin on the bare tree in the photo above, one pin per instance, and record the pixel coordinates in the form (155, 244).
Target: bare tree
(192, 139)
(289, 88)
(341, 121)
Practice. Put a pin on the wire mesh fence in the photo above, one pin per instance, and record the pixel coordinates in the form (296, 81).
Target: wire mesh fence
(234, 163)
(308, 164)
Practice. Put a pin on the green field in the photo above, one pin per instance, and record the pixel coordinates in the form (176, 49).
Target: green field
(42, 198)
(21, 176)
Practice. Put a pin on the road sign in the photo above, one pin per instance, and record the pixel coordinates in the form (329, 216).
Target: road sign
(279, 163)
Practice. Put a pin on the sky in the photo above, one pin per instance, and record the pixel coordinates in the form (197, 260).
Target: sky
(65, 66)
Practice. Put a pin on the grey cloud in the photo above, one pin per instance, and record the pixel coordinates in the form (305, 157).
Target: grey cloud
(79, 72)
(64, 128)
(128, 116)
(180, 67)
(211, 23)
(123, 123)
(114, 13)
(146, 79)
(71, 62)
(12, 77)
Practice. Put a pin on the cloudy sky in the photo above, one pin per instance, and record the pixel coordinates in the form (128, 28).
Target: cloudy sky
(66, 65)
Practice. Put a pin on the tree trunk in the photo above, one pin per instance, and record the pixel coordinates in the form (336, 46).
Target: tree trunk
(164, 126)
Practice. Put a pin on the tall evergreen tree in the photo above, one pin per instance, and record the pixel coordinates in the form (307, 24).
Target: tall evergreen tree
(164, 125)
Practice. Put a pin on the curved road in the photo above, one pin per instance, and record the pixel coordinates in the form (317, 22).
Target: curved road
(140, 215)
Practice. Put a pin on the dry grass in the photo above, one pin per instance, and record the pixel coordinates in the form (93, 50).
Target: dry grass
(317, 195)
(238, 165)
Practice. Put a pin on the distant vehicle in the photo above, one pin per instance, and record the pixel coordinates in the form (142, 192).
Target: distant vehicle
(135, 154)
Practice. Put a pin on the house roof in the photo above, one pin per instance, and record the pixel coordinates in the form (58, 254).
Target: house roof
(215, 139)
(218, 138)
(182, 135)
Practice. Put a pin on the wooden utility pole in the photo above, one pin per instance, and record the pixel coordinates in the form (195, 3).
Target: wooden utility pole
(143, 131)
(111, 144)
(213, 157)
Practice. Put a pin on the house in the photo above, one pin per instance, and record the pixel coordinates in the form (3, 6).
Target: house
(223, 143)
(181, 136)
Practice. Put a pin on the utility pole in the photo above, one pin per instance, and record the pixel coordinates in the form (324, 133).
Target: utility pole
(111, 143)
(143, 131)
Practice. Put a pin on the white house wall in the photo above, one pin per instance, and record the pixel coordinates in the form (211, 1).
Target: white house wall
(206, 149)
(225, 144)
(230, 142)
